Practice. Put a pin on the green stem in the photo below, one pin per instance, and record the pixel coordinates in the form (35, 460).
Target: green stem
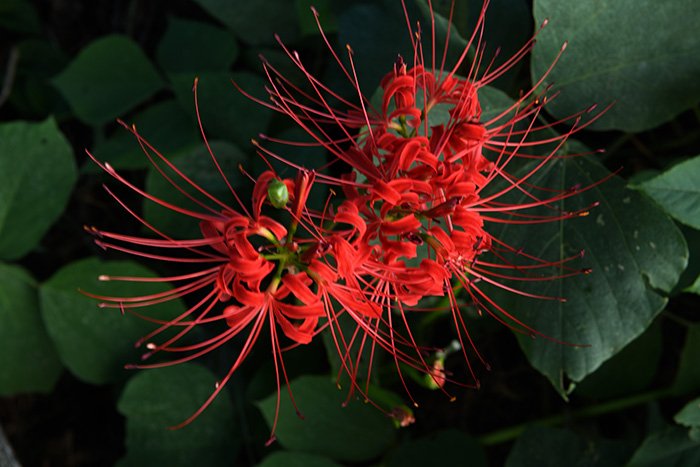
(512, 432)
(265, 233)
(612, 149)
(273, 256)
(677, 319)
(292, 230)
(275, 283)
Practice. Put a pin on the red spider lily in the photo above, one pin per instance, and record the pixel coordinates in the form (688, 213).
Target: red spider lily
(250, 270)
(422, 194)
(421, 188)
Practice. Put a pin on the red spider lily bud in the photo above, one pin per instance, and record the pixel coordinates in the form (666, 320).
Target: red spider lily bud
(436, 379)
(402, 416)
(277, 193)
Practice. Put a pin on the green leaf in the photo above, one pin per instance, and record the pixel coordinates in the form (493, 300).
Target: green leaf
(253, 22)
(108, 78)
(198, 166)
(554, 447)
(27, 356)
(156, 399)
(687, 378)
(165, 125)
(195, 46)
(677, 190)
(690, 416)
(635, 251)
(225, 112)
(629, 371)
(37, 174)
(669, 447)
(19, 16)
(355, 433)
(295, 459)
(95, 343)
(643, 55)
(448, 447)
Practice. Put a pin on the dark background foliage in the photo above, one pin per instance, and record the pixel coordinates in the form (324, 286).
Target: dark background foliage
(70, 69)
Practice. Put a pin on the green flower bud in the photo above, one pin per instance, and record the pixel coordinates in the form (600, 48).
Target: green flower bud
(277, 193)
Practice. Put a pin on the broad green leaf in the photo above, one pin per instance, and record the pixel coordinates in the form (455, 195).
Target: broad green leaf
(295, 459)
(635, 251)
(157, 399)
(629, 371)
(254, 22)
(108, 78)
(195, 46)
(355, 433)
(448, 447)
(197, 165)
(677, 190)
(670, 447)
(165, 125)
(95, 343)
(27, 356)
(687, 378)
(20, 16)
(643, 55)
(690, 416)
(37, 173)
(553, 447)
(225, 112)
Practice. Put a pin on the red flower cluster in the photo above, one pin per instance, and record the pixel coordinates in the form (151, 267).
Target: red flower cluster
(425, 177)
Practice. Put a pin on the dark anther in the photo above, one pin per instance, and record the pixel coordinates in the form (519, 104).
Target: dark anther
(413, 238)
(399, 65)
